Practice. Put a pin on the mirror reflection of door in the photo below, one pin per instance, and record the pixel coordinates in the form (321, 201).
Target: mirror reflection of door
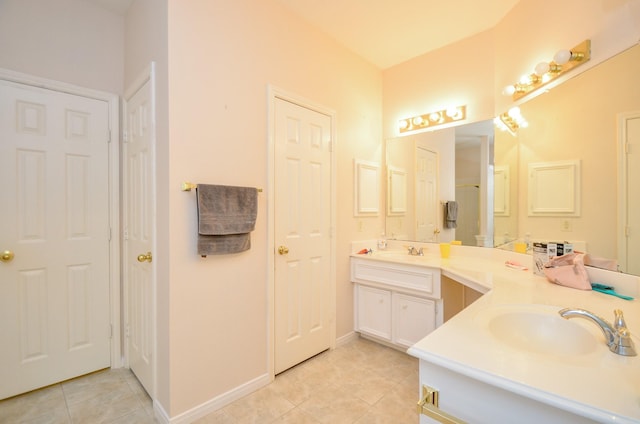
(427, 228)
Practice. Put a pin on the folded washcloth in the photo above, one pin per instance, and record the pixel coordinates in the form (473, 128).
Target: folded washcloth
(226, 216)
(451, 214)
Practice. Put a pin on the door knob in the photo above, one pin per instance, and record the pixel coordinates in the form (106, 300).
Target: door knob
(6, 256)
(147, 257)
(283, 250)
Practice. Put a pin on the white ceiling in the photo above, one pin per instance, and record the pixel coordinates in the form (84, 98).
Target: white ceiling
(388, 32)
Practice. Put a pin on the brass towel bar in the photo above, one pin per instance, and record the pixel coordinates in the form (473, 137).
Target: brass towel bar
(190, 186)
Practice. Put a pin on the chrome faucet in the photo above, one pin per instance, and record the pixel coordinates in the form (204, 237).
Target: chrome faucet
(415, 252)
(617, 335)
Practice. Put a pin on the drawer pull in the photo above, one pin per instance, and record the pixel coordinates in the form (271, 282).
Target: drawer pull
(428, 406)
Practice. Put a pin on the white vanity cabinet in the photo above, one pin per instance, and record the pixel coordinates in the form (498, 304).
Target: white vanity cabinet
(396, 304)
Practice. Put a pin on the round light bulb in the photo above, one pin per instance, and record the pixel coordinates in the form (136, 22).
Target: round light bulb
(451, 112)
(514, 112)
(509, 90)
(562, 57)
(525, 80)
(542, 68)
(417, 120)
(435, 117)
(404, 124)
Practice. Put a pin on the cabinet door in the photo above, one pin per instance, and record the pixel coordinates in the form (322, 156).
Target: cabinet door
(413, 318)
(374, 311)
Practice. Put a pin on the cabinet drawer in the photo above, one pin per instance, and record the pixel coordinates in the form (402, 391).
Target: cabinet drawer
(425, 280)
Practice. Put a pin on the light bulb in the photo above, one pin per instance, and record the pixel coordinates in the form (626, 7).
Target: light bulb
(562, 57)
(404, 124)
(417, 120)
(509, 90)
(435, 117)
(542, 68)
(514, 112)
(525, 80)
(452, 112)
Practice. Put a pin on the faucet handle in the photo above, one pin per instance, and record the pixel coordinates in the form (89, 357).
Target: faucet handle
(618, 322)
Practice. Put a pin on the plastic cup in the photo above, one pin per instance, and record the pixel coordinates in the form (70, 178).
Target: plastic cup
(520, 247)
(445, 250)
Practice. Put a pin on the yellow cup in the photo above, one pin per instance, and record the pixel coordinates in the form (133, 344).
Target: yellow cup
(521, 247)
(445, 250)
(456, 242)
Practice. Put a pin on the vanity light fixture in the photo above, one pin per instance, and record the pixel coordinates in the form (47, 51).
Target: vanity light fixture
(511, 121)
(545, 72)
(433, 119)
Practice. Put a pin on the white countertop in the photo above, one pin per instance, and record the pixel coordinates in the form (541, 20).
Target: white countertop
(599, 384)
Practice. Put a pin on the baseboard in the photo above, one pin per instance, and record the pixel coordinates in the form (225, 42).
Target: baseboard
(212, 405)
(346, 338)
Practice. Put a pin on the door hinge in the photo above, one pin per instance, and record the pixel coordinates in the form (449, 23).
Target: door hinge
(627, 231)
(125, 136)
(111, 331)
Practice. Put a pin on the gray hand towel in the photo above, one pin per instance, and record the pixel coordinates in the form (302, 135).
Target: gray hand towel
(451, 215)
(226, 216)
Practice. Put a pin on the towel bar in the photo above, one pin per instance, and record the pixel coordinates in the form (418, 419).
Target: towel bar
(187, 186)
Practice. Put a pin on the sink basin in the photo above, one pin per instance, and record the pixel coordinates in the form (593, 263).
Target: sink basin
(538, 329)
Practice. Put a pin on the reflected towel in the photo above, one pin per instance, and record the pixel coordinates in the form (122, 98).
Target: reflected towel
(451, 214)
(226, 216)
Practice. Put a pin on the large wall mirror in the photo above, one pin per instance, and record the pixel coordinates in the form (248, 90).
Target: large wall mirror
(578, 122)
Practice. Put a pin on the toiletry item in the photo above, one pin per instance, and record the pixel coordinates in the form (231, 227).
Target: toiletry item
(515, 265)
(520, 247)
(382, 242)
(608, 290)
(445, 250)
(456, 242)
(365, 252)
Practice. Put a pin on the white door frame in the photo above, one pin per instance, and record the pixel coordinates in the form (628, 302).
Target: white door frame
(623, 183)
(274, 93)
(114, 189)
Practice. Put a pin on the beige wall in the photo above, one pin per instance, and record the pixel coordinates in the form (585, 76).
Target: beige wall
(222, 57)
(70, 41)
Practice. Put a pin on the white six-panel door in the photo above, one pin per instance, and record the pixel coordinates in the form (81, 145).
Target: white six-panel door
(139, 198)
(427, 226)
(54, 291)
(302, 233)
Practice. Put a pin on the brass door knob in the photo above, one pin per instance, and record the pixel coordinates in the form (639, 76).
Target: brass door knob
(7, 256)
(147, 257)
(283, 250)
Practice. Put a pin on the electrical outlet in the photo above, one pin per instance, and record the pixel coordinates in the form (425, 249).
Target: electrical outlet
(565, 225)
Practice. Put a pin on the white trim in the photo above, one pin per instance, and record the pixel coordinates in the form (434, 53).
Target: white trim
(274, 93)
(211, 405)
(114, 189)
(623, 188)
(148, 74)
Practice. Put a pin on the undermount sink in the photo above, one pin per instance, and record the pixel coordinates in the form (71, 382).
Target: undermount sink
(538, 329)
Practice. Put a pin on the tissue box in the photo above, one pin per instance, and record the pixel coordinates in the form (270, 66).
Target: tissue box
(542, 252)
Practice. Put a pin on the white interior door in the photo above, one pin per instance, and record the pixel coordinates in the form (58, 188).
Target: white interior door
(54, 292)
(139, 200)
(630, 237)
(302, 234)
(427, 226)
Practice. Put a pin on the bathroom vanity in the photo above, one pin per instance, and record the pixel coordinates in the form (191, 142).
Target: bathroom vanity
(509, 355)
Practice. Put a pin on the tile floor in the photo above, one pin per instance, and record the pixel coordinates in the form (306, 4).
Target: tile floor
(358, 382)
